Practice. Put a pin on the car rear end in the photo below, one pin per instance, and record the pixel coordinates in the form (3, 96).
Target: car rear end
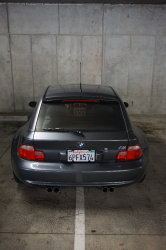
(80, 142)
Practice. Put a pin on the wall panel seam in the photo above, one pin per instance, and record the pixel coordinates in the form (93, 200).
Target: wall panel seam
(102, 46)
(10, 52)
(32, 68)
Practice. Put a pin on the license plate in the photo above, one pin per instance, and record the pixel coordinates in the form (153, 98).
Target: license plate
(81, 155)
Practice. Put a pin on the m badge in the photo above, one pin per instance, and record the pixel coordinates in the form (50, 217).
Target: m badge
(122, 148)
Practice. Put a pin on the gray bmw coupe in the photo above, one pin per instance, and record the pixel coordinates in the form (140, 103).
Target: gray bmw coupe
(79, 135)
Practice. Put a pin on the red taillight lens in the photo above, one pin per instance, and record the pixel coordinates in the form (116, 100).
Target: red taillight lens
(121, 156)
(80, 100)
(29, 153)
(132, 153)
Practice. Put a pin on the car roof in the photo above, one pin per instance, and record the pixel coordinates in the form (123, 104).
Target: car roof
(74, 91)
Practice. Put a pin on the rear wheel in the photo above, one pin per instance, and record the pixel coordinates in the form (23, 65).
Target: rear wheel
(16, 178)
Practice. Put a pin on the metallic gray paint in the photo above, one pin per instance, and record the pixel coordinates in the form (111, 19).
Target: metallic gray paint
(56, 171)
(76, 174)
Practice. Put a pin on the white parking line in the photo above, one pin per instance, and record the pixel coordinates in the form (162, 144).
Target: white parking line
(79, 241)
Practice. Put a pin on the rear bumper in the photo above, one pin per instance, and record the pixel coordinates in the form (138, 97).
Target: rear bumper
(79, 174)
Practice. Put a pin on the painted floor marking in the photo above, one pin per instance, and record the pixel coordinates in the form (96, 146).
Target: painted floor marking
(79, 240)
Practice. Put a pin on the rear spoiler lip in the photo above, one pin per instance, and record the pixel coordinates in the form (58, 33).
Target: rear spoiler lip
(49, 100)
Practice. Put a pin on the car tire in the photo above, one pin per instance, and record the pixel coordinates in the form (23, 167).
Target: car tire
(16, 179)
(143, 178)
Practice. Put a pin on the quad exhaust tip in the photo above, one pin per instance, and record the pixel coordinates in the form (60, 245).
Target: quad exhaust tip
(49, 189)
(111, 189)
(55, 189)
(105, 189)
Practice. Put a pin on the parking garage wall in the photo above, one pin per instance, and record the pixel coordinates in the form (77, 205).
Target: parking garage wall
(123, 46)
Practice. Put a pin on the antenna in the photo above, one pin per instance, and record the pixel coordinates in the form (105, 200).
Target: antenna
(80, 79)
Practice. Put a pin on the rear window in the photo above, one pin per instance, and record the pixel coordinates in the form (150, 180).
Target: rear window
(82, 116)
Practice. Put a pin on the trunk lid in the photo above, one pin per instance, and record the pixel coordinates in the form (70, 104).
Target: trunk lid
(56, 144)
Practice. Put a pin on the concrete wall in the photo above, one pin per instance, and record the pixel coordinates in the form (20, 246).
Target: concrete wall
(119, 45)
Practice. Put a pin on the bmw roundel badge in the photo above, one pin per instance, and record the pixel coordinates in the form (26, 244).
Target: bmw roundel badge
(81, 144)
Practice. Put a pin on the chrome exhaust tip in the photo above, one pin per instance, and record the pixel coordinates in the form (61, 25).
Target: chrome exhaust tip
(56, 189)
(104, 189)
(49, 189)
(111, 189)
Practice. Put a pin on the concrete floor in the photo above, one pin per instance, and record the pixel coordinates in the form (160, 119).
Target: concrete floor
(131, 218)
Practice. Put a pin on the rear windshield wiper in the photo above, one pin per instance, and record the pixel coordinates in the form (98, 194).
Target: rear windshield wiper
(64, 130)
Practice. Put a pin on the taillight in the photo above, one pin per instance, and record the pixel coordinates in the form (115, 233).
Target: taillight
(132, 153)
(80, 100)
(29, 153)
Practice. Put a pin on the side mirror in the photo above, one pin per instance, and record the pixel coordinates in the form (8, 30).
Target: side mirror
(126, 104)
(32, 104)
